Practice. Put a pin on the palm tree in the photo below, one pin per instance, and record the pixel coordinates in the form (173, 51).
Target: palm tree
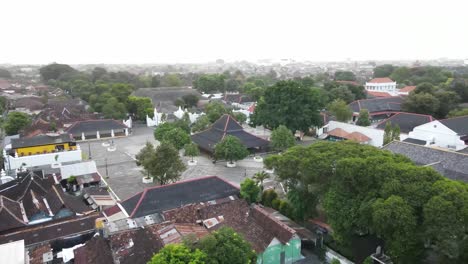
(261, 176)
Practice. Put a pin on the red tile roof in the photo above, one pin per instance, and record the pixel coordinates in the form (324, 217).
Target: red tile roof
(378, 94)
(407, 89)
(381, 80)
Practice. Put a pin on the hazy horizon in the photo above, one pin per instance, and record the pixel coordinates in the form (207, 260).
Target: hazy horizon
(153, 32)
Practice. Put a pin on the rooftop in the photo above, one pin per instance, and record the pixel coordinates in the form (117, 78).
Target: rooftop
(356, 136)
(378, 105)
(457, 124)
(92, 126)
(407, 89)
(40, 141)
(406, 121)
(452, 165)
(381, 80)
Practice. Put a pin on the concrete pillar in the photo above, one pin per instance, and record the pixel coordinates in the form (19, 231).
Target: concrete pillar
(126, 132)
(16, 154)
(83, 136)
(112, 133)
(98, 136)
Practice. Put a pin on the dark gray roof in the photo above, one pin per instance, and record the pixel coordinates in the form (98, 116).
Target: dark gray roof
(387, 104)
(415, 141)
(161, 198)
(406, 121)
(226, 125)
(40, 140)
(457, 124)
(92, 126)
(451, 164)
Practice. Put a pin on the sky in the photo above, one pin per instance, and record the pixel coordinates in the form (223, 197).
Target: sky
(193, 31)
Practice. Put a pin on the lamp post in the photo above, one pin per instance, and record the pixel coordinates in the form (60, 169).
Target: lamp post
(89, 151)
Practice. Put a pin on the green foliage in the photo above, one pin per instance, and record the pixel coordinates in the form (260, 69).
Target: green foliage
(249, 190)
(460, 86)
(54, 71)
(341, 93)
(275, 203)
(340, 110)
(344, 76)
(383, 70)
(214, 110)
(202, 123)
(256, 92)
(177, 138)
(260, 177)
(230, 149)
(421, 103)
(162, 163)
(282, 138)
(139, 107)
(114, 110)
(191, 150)
(16, 122)
(210, 83)
(335, 261)
(163, 129)
(190, 100)
(226, 246)
(285, 208)
(268, 196)
(178, 254)
(71, 179)
(4, 73)
(363, 119)
(303, 203)
(458, 112)
(240, 117)
(290, 104)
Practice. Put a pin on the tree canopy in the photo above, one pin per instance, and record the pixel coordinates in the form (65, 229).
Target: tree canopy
(363, 119)
(340, 110)
(230, 149)
(178, 254)
(15, 122)
(290, 104)
(177, 138)
(214, 110)
(249, 190)
(55, 70)
(345, 76)
(191, 150)
(282, 138)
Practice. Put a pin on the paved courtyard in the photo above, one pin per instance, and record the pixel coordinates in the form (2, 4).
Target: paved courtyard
(125, 177)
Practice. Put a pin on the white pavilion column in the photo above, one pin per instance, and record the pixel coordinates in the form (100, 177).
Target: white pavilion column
(126, 132)
(112, 133)
(83, 136)
(98, 136)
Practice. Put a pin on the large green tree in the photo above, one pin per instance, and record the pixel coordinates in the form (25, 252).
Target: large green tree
(191, 150)
(249, 190)
(139, 107)
(363, 119)
(202, 123)
(288, 103)
(55, 70)
(178, 254)
(282, 138)
(177, 138)
(214, 110)
(230, 149)
(340, 110)
(421, 103)
(383, 70)
(15, 122)
(345, 76)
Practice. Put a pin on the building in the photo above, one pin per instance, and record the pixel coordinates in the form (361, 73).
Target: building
(40, 151)
(449, 133)
(386, 85)
(453, 165)
(227, 125)
(406, 90)
(97, 129)
(336, 131)
(406, 121)
(198, 206)
(379, 108)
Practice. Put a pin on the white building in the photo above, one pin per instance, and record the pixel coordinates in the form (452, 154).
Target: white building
(155, 120)
(386, 85)
(447, 133)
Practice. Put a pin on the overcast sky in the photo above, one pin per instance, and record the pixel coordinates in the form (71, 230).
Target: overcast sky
(170, 31)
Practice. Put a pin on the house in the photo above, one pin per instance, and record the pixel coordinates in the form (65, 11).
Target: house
(198, 206)
(96, 129)
(449, 133)
(4, 84)
(238, 100)
(406, 121)
(379, 108)
(453, 165)
(29, 105)
(96, 250)
(336, 131)
(386, 85)
(227, 125)
(40, 151)
(406, 90)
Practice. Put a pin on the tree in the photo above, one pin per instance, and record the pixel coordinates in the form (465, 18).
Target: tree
(139, 107)
(249, 190)
(55, 70)
(214, 110)
(114, 110)
(191, 150)
(98, 73)
(256, 93)
(240, 117)
(177, 138)
(268, 196)
(344, 76)
(230, 149)
(226, 246)
(400, 75)
(282, 138)
(163, 129)
(421, 103)
(260, 177)
(448, 101)
(164, 164)
(388, 133)
(290, 104)
(178, 254)
(396, 133)
(383, 70)
(460, 86)
(343, 93)
(202, 123)
(340, 110)
(459, 112)
(15, 122)
(363, 119)
(4, 73)
(190, 100)
(210, 83)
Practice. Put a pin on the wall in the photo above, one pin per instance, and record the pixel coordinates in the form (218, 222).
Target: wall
(43, 159)
(376, 135)
(35, 150)
(382, 87)
(331, 255)
(439, 134)
(272, 254)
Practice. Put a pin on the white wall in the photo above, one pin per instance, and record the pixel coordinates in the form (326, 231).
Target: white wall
(438, 134)
(42, 159)
(376, 135)
(382, 87)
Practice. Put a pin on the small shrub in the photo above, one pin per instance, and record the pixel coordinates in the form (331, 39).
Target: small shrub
(268, 196)
(275, 204)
